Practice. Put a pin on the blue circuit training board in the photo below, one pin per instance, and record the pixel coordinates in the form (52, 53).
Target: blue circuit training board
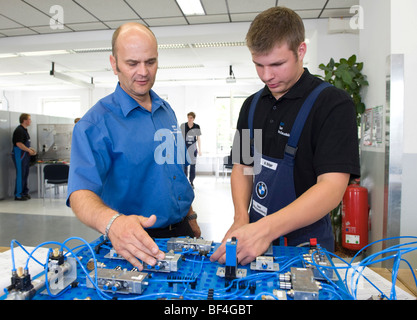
(194, 277)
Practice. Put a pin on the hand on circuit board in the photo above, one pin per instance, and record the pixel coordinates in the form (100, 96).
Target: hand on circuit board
(131, 241)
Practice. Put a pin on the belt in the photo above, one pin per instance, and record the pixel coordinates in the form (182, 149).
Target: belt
(167, 228)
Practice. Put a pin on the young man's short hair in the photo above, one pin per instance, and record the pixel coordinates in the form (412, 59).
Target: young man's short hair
(274, 26)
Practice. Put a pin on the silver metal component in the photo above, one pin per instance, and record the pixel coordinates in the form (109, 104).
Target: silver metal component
(280, 294)
(59, 277)
(171, 263)
(113, 255)
(193, 244)
(263, 263)
(304, 285)
(119, 281)
(240, 273)
(318, 257)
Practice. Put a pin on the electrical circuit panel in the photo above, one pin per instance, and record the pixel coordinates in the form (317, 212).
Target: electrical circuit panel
(186, 272)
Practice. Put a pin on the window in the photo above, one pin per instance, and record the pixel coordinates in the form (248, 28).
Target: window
(68, 107)
(228, 109)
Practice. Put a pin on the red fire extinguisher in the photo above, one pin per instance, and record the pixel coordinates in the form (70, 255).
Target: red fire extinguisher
(355, 214)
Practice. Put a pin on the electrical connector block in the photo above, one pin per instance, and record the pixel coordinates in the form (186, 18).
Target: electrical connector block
(263, 263)
(203, 247)
(304, 286)
(120, 280)
(171, 263)
(113, 255)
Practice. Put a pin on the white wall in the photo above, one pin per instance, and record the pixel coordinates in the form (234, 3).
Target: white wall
(388, 31)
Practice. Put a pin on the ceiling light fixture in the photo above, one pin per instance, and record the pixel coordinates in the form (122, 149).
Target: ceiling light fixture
(70, 79)
(191, 7)
(42, 53)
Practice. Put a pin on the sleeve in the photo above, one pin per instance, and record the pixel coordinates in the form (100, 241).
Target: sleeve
(18, 136)
(337, 147)
(90, 159)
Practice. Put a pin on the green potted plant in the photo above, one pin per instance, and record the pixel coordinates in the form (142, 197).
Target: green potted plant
(347, 75)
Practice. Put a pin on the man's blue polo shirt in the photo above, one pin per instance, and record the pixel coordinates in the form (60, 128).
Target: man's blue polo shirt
(132, 158)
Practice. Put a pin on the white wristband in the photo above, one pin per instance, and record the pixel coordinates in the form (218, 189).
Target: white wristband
(110, 223)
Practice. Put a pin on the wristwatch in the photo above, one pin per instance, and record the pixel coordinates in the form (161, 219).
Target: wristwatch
(192, 216)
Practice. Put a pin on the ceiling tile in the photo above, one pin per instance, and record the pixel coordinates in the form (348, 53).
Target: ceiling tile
(176, 21)
(108, 9)
(6, 23)
(48, 29)
(23, 13)
(117, 23)
(302, 4)
(17, 32)
(214, 18)
(72, 13)
(309, 14)
(214, 6)
(86, 26)
(243, 17)
(244, 6)
(333, 4)
(155, 8)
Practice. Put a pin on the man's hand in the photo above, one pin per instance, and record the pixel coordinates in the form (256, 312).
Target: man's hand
(131, 241)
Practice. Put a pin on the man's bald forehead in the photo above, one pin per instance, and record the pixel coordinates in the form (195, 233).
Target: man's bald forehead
(124, 28)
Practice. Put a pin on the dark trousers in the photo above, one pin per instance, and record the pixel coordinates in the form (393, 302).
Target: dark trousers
(21, 161)
(192, 172)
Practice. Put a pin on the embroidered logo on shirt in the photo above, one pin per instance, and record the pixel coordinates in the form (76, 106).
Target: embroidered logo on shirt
(281, 128)
(261, 190)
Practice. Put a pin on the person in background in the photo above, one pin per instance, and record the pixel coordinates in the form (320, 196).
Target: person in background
(21, 153)
(300, 168)
(191, 132)
(117, 183)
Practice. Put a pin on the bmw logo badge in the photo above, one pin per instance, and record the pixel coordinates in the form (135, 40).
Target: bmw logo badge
(261, 190)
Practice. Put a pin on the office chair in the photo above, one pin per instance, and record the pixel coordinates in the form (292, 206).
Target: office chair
(55, 174)
(227, 165)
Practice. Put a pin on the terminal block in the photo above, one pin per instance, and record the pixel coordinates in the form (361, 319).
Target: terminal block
(264, 263)
(119, 280)
(112, 254)
(300, 284)
(171, 263)
(203, 247)
(62, 272)
(317, 259)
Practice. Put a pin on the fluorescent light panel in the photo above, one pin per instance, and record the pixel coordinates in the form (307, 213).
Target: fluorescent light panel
(191, 7)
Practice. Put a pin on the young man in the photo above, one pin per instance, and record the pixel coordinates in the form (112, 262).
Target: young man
(117, 183)
(289, 200)
(22, 151)
(191, 132)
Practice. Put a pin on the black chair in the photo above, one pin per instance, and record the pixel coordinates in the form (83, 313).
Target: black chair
(55, 174)
(227, 165)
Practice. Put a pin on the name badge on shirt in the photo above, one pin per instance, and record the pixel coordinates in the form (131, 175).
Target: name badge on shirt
(259, 208)
(269, 164)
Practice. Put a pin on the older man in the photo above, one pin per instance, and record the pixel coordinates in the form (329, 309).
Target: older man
(118, 184)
